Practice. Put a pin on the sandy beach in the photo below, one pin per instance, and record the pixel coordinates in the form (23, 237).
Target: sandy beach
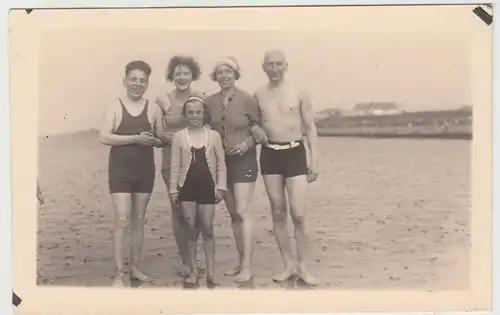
(384, 214)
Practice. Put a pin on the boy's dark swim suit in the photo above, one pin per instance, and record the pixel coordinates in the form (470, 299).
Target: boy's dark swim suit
(132, 167)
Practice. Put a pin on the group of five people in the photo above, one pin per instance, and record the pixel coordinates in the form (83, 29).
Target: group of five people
(209, 154)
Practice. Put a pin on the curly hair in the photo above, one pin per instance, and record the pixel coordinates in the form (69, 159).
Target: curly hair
(187, 61)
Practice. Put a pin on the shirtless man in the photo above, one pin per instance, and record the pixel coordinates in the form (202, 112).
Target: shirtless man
(286, 115)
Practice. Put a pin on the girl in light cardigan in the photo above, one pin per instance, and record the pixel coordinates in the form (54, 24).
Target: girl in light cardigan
(198, 181)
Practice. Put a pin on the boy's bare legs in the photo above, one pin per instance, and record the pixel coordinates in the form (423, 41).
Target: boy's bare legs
(122, 203)
(139, 205)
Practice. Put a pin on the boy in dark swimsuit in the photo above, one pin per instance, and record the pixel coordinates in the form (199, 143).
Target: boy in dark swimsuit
(129, 128)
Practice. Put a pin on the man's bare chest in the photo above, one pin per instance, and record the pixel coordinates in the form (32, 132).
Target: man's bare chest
(279, 105)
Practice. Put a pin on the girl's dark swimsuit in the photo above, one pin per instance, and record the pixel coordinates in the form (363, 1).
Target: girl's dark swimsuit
(199, 186)
(132, 167)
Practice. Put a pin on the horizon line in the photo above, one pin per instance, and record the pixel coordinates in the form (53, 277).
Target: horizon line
(96, 129)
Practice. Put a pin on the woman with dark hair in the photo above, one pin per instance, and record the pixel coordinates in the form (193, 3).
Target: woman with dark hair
(235, 115)
(129, 129)
(182, 71)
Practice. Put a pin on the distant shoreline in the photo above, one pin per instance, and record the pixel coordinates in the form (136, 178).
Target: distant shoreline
(330, 132)
(444, 124)
(394, 134)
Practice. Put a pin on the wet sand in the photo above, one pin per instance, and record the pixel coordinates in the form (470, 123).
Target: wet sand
(384, 214)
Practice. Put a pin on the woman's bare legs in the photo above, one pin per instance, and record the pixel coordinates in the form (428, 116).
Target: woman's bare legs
(243, 193)
(236, 227)
(206, 218)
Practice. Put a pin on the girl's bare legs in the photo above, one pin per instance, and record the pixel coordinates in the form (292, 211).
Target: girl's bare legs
(190, 210)
(206, 218)
(179, 228)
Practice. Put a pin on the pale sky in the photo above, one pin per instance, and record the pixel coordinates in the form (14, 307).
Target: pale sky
(80, 71)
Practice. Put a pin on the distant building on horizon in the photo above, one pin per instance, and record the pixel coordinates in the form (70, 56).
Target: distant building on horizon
(376, 109)
(325, 113)
(466, 108)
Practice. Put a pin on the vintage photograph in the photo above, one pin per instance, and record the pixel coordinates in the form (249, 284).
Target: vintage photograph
(254, 158)
(315, 155)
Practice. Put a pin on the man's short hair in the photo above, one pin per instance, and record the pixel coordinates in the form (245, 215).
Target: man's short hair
(138, 65)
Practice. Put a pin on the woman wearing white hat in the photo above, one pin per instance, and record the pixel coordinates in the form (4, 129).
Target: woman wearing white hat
(233, 114)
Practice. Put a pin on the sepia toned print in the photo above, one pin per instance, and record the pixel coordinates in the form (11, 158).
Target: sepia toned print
(372, 191)
(319, 159)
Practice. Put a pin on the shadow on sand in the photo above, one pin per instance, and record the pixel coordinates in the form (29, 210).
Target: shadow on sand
(292, 283)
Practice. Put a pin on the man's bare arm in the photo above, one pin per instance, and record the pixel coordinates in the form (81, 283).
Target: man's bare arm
(106, 135)
(258, 133)
(310, 127)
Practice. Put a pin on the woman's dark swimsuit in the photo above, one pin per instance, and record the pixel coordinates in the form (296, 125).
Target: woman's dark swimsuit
(132, 167)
